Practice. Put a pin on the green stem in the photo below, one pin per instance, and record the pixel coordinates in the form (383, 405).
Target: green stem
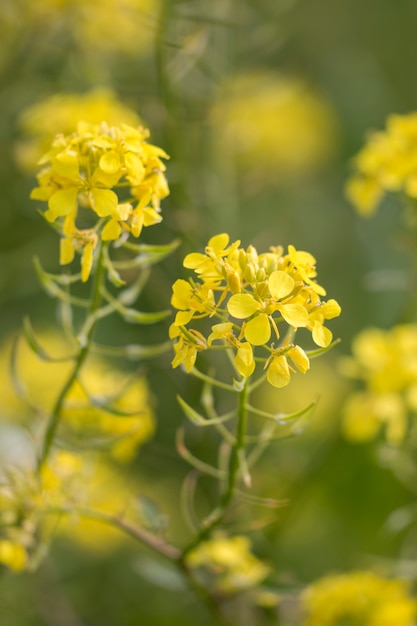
(154, 542)
(136, 532)
(232, 478)
(56, 411)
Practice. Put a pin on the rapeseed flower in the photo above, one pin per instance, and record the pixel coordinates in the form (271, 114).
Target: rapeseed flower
(228, 563)
(274, 127)
(105, 408)
(387, 163)
(60, 113)
(385, 361)
(361, 598)
(32, 504)
(81, 171)
(252, 296)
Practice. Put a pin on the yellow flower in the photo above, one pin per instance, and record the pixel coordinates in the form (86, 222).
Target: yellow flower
(61, 113)
(273, 126)
(13, 555)
(387, 163)
(229, 561)
(360, 598)
(85, 240)
(386, 363)
(81, 171)
(252, 294)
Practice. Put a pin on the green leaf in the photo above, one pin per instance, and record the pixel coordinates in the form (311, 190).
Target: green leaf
(312, 354)
(38, 349)
(147, 254)
(134, 351)
(138, 317)
(161, 574)
(105, 404)
(112, 274)
(153, 517)
(54, 290)
(281, 418)
(198, 419)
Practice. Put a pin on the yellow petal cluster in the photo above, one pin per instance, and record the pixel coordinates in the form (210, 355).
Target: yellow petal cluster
(258, 298)
(229, 562)
(110, 172)
(60, 113)
(386, 363)
(387, 163)
(361, 598)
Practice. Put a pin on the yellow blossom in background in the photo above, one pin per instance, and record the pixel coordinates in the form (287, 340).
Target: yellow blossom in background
(359, 598)
(254, 296)
(109, 27)
(122, 431)
(86, 481)
(78, 178)
(60, 113)
(120, 419)
(229, 563)
(386, 363)
(387, 163)
(36, 507)
(276, 127)
(13, 555)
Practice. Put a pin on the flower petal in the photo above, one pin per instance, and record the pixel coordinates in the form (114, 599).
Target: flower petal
(294, 314)
(281, 284)
(111, 231)
(61, 203)
(242, 305)
(103, 201)
(278, 374)
(110, 162)
(258, 330)
(244, 361)
(321, 336)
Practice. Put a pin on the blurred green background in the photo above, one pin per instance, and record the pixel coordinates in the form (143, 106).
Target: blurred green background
(261, 105)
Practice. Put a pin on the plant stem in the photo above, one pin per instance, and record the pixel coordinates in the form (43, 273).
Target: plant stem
(84, 351)
(232, 478)
(136, 532)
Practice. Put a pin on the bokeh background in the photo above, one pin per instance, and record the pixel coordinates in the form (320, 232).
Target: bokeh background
(261, 105)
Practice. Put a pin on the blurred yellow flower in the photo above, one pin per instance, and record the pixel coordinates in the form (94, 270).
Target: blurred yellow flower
(13, 555)
(110, 26)
(387, 163)
(119, 420)
(276, 127)
(61, 113)
(386, 363)
(359, 598)
(229, 563)
(36, 507)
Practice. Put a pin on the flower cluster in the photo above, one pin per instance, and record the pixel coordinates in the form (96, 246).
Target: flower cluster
(388, 162)
(386, 362)
(251, 295)
(273, 125)
(82, 170)
(360, 598)
(60, 113)
(69, 480)
(105, 407)
(229, 562)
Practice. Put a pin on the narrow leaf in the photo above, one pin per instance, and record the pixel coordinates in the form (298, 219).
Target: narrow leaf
(133, 351)
(198, 419)
(38, 349)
